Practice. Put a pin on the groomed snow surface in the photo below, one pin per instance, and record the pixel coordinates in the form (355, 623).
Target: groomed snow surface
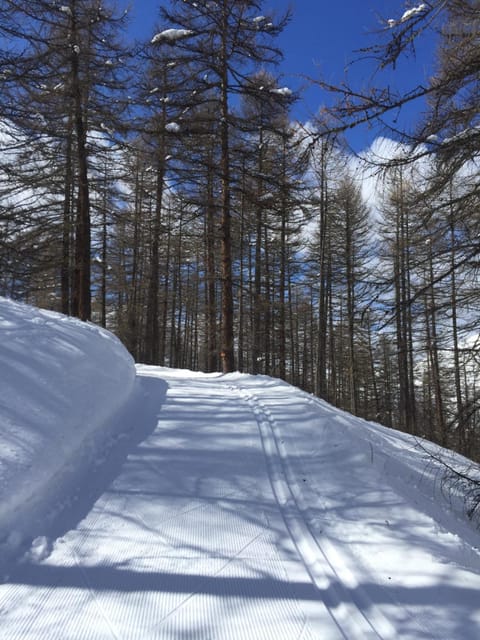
(152, 503)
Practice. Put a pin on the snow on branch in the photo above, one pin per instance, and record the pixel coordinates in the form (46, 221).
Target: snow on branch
(282, 91)
(408, 15)
(171, 35)
(172, 127)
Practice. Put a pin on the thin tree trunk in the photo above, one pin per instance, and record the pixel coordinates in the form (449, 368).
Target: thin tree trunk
(211, 312)
(65, 275)
(152, 330)
(439, 413)
(227, 353)
(456, 351)
(81, 303)
(282, 338)
(324, 259)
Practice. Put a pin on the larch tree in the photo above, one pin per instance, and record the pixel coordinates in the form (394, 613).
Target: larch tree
(351, 223)
(160, 105)
(265, 192)
(224, 41)
(72, 70)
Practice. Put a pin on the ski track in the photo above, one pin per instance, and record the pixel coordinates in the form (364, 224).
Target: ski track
(354, 613)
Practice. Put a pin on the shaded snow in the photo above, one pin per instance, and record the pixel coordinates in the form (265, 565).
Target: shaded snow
(61, 381)
(172, 127)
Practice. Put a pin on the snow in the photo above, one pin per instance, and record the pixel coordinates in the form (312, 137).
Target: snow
(408, 15)
(171, 35)
(282, 91)
(61, 381)
(414, 11)
(172, 127)
(161, 504)
(465, 134)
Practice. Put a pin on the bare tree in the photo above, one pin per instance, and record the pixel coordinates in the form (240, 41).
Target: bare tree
(69, 74)
(240, 39)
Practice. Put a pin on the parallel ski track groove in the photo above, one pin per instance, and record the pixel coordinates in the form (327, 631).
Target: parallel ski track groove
(318, 402)
(345, 607)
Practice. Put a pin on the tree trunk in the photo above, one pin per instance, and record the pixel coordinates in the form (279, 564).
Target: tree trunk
(65, 271)
(81, 303)
(227, 352)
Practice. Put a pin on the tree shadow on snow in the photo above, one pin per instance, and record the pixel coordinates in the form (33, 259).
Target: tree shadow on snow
(84, 478)
(126, 431)
(118, 580)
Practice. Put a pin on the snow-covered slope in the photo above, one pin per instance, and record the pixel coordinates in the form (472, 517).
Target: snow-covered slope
(245, 509)
(61, 383)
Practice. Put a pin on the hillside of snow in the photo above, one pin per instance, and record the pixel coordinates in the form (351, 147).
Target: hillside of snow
(163, 504)
(62, 382)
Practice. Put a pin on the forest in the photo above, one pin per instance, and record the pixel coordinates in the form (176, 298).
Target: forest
(162, 189)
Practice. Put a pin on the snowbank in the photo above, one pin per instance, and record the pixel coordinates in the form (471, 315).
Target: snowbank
(350, 452)
(62, 381)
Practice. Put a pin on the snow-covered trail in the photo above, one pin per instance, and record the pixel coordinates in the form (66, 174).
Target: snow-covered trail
(227, 523)
(187, 542)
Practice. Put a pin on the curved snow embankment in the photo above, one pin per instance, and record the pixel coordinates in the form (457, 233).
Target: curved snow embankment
(411, 463)
(61, 383)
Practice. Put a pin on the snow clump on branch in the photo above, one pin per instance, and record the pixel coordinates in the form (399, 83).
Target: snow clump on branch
(282, 91)
(172, 127)
(410, 13)
(171, 35)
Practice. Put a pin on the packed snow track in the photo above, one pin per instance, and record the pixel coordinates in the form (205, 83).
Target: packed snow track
(220, 524)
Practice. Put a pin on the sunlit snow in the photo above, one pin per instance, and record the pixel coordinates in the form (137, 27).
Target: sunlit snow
(408, 15)
(171, 35)
(282, 91)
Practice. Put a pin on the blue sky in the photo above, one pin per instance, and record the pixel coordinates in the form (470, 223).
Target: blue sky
(322, 38)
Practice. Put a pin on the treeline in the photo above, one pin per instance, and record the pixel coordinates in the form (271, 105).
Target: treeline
(163, 190)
